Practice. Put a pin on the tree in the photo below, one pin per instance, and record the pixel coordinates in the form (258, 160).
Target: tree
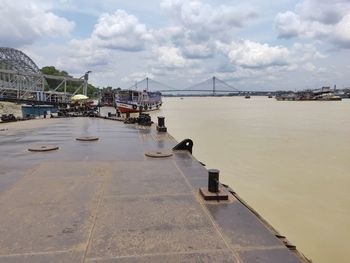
(92, 91)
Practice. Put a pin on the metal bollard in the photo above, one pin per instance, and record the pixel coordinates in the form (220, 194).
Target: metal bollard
(213, 180)
(109, 114)
(127, 115)
(161, 124)
(161, 121)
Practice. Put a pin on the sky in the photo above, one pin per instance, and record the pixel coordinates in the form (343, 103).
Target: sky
(251, 44)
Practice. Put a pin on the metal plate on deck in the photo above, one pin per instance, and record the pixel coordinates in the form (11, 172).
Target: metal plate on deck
(87, 138)
(43, 148)
(158, 154)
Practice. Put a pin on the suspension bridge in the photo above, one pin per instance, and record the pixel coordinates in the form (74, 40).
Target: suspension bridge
(212, 86)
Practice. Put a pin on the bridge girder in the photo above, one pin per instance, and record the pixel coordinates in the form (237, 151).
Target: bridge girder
(17, 60)
(21, 78)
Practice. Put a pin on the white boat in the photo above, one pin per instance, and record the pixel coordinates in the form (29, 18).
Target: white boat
(134, 101)
(328, 96)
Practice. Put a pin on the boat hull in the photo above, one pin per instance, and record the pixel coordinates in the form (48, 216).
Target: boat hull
(133, 108)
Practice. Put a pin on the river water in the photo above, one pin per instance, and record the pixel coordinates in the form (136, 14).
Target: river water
(289, 160)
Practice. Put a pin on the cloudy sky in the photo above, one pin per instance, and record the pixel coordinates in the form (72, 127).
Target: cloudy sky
(251, 44)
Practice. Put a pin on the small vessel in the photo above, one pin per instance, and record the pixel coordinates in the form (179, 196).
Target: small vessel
(134, 101)
(247, 96)
(328, 96)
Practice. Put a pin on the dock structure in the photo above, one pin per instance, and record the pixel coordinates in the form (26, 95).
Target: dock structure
(106, 200)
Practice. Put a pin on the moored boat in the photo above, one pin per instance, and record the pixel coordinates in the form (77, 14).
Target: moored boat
(328, 96)
(323, 94)
(134, 101)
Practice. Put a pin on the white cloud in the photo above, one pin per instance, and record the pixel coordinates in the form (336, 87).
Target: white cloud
(83, 54)
(288, 24)
(310, 67)
(196, 51)
(170, 57)
(264, 64)
(321, 19)
(25, 22)
(120, 31)
(112, 33)
(341, 34)
(305, 52)
(199, 25)
(323, 11)
(249, 54)
(195, 14)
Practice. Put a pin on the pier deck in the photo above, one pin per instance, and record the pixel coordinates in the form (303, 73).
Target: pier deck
(105, 201)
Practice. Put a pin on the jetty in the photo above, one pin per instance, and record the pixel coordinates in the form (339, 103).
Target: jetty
(90, 189)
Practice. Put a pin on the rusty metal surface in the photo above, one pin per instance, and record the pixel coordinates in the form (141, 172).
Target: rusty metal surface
(107, 202)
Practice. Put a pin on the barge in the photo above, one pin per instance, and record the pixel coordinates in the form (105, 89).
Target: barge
(130, 194)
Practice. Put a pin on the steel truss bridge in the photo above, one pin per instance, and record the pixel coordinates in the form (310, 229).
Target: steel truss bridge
(21, 80)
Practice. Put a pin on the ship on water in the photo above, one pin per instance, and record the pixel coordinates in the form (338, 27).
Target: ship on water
(323, 94)
(134, 101)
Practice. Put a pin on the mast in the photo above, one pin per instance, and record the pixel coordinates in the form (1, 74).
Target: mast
(214, 86)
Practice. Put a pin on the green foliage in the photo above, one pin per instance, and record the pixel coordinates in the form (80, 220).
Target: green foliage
(92, 91)
(51, 70)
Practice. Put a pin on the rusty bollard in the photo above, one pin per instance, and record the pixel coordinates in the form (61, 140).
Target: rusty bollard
(161, 124)
(213, 191)
(213, 180)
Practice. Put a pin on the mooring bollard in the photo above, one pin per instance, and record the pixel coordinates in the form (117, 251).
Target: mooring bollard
(213, 192)
(109, 114)
(161, 124)
(213, 180)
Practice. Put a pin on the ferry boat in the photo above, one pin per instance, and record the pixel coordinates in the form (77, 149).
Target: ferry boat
(133, 101)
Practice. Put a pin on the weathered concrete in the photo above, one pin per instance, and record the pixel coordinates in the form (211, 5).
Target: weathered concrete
(105, 201)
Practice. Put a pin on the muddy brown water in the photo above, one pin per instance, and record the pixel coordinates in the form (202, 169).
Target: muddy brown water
(289, 160)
